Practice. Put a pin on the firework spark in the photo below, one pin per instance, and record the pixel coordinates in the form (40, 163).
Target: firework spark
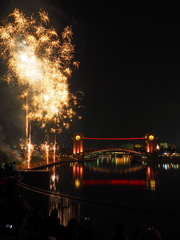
(39, 60)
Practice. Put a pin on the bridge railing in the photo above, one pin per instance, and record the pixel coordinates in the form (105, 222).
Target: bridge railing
(104, 216)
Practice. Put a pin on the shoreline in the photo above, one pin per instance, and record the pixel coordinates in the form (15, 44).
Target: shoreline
(44, 163)
(162, 160)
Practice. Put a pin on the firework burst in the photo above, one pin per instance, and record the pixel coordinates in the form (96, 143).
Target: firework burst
(39, 59)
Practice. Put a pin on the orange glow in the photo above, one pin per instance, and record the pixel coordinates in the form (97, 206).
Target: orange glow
(74, 169)
(77, 183)
(77, 175)
(148, 171)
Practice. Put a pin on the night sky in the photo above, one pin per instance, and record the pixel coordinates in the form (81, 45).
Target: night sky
(129, 70)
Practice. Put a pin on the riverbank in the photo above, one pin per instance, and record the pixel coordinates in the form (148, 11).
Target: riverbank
(44, 163)
(24, 166)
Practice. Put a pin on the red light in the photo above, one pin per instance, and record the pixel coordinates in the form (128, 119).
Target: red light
(134, 182)
(113, 138)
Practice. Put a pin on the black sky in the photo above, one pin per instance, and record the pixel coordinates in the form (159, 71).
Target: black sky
(129, 67)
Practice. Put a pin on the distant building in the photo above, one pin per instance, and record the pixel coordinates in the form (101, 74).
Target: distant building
(167, 148)
(127, 145)
(167, 145)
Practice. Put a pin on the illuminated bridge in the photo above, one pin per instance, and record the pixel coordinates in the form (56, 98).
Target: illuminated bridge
(150, 143)
(114, 151)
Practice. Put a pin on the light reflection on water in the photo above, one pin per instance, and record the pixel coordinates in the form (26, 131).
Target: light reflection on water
(119, 180)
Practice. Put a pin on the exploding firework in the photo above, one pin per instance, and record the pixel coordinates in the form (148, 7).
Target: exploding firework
(39, 59)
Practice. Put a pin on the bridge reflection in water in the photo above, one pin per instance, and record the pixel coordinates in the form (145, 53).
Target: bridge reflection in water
(116, 189)
(116, 167)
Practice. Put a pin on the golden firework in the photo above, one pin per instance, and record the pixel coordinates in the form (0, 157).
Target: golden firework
(38, 59)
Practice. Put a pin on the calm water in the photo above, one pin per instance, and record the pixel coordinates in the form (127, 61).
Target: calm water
(120, 181)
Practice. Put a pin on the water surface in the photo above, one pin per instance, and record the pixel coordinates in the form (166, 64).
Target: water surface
(120, 181)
